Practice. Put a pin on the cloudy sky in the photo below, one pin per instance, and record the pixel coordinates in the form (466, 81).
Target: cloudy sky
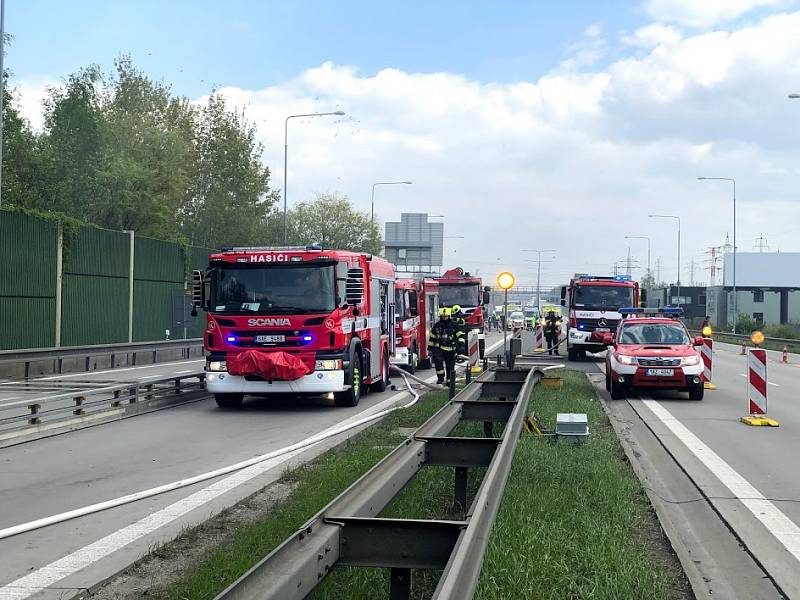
(529, 125)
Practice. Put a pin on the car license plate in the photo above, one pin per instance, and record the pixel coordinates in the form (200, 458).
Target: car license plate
(660, 372)
(270, 339)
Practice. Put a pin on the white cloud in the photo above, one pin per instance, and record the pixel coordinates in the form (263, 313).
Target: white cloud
(703, 13)
(655, 34)
(28, 94)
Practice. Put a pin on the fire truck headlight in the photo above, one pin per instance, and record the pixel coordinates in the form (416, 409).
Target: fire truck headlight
(690, 361)
(328, 365)
(217, 365)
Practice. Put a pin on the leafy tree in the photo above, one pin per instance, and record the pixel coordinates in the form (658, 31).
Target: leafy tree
(147, 155)
(648, 282)
(228, 199)
(332, 221)
(19, 155)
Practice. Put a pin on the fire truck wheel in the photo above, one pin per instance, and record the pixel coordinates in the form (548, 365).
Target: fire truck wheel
(353, 395)
(229, 400)
(383, 383)
(425, 364)
(572, 354)
(481, 348)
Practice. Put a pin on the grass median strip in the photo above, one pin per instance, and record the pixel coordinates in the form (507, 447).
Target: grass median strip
(574, 521)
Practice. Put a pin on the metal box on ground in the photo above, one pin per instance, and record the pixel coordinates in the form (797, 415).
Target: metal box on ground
(552, 383)
(572, 428)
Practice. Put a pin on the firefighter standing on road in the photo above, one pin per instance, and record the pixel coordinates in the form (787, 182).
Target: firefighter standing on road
(552, 330)
(444, 338)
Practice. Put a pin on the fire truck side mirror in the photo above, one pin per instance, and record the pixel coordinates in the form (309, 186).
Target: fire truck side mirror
(563, 295)
(644, 297)
(487, 296)
(198, 292)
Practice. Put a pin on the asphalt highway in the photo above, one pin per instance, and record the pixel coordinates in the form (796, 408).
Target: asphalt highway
(65, 472)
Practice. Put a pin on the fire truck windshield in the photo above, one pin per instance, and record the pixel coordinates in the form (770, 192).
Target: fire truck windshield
(284, 289)
(463, 294)
(599, 296)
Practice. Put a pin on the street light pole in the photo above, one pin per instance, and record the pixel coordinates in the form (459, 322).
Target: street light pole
(678, 282)
(642, 237)
(735, 297)
(372, 204)
(538, 277)
(337, 113)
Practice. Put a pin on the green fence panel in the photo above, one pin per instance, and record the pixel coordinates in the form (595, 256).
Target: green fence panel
(153, 310)
(95, 310)
(95, 289)
(99, 252)
(27, 281)
(27, 323)
(157, 260)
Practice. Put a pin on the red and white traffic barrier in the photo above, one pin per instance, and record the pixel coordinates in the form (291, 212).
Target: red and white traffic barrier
(757, 381)
(757, 389)
(538, 344)
(707, 354)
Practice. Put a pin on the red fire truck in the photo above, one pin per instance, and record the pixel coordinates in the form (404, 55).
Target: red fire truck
(296, 321)
(458, 287)
(417, 306)
(594, 303)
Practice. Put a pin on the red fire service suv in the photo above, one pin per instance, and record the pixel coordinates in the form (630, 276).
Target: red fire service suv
(417, 306)
(652, 349)
(297, 321)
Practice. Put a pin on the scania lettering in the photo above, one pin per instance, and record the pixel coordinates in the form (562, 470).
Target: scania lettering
(458, 287)
(594, 303)
(296, 321)
(417, 305)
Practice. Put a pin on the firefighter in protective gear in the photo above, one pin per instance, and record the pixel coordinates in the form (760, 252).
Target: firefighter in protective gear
(458, 317)
(444, 338)
(552, 330)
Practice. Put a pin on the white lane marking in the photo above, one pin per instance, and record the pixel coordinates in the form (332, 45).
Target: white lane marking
(44, 577)
(87, 373)
(777, 523)
(768, 383)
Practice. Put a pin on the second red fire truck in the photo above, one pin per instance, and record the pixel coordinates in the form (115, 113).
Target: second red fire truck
(296, 320)
(417, 307)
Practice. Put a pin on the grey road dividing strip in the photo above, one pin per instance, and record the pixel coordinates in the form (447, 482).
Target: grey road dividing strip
(17, 382)
(44, 577)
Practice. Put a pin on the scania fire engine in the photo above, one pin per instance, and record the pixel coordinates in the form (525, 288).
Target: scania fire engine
(296, 321)
(458, 287)
(417, 306)
(594, 303)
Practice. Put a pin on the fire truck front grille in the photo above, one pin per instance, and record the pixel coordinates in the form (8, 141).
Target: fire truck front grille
(659, 362)
(592, 324)
(291, 338)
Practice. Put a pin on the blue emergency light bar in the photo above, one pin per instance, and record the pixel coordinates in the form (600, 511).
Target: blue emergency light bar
(587, 277)
(666, 311)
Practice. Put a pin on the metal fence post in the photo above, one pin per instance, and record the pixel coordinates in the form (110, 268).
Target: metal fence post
(399, 584)
(460, 489)
(452, 386)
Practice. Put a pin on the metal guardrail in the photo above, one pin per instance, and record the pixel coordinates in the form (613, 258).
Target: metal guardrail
(746, 337)
(348, 531)
(31, 355)
(91, 399)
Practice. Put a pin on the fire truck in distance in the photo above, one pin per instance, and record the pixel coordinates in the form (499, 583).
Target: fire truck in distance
(417, 307)
(296, 321)
(594, 303)
(458, 287)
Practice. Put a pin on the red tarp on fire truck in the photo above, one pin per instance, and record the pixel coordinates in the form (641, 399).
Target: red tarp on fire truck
(272, 366)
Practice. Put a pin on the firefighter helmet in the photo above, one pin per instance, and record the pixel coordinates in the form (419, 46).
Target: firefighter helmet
(445, 313)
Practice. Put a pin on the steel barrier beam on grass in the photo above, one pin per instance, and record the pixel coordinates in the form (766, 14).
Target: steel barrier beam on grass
(349, 530)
